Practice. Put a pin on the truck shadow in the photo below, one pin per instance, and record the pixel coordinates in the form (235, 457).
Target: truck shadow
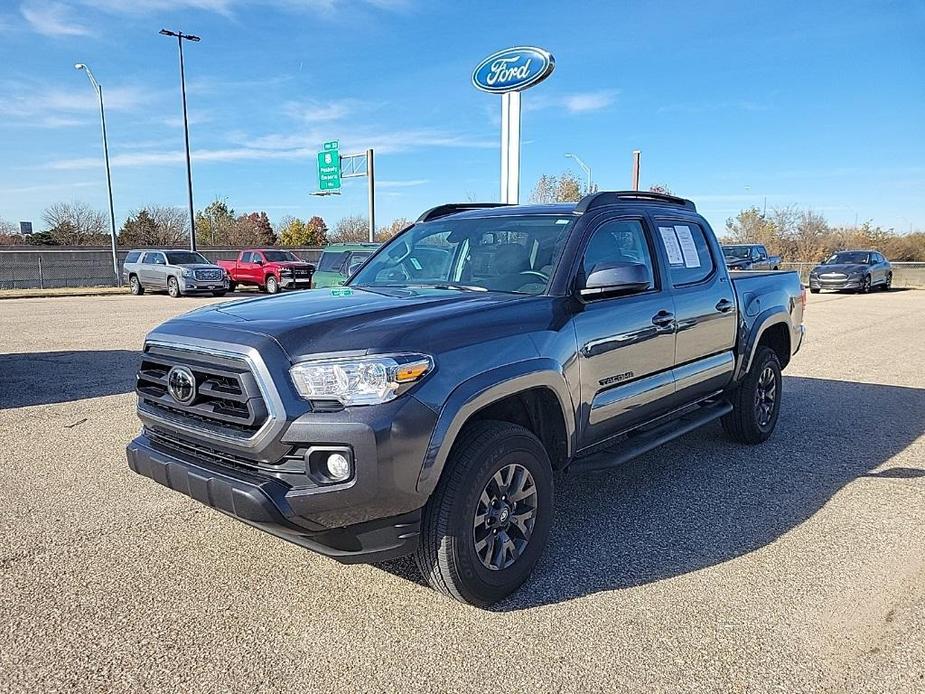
(41, 378)
(703, 500)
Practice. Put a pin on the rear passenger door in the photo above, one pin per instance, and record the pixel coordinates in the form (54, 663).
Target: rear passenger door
(152, 270)
(704, 304)
(625, 342)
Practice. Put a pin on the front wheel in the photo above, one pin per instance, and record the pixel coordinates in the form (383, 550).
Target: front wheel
(232, 286)
(756, 400)
(219, 293)
(486, 524)
(865, 286)
(272, 285)
(173, 287)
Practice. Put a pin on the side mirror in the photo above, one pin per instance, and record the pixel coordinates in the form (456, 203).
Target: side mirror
(615, 278)
(259, 261)
(354, 266)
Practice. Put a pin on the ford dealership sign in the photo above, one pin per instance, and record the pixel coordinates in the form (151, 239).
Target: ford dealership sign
(513, 69)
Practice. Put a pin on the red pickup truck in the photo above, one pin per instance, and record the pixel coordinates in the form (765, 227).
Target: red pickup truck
(269, 269)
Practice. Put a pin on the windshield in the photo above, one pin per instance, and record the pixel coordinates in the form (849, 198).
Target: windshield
(737, 252)
(848, 257)
(501, 254)
(186, 258)
(331, 261)
(281, 257)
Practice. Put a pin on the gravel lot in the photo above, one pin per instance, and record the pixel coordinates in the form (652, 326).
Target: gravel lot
(798, 565)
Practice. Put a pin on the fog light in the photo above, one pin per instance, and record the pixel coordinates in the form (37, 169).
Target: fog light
(338, 467)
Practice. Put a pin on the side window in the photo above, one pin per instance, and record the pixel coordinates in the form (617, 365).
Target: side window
(246, 257)
(689, 258)
(154, 259)
(256, 257)
(618, 242)
(132, 257)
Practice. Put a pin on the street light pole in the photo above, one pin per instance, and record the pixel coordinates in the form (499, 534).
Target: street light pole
(112, 215)
(189, 169)
(585, 167)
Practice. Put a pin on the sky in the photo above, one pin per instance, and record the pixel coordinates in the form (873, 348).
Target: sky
(819, 104)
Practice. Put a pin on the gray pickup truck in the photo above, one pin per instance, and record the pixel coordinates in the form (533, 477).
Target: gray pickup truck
(424, 407)
(750, 256)
(174, 271)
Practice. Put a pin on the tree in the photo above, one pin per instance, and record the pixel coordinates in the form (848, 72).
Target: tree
(214, 224)
(155, 225)
(351, 230)
(563, 188)
(76, 224)
(387, 232)
(252, 229)
(292, 232)
(9, 234)
(317, 232)
(41, 238)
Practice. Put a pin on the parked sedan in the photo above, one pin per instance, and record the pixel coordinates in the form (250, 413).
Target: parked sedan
(857, 270)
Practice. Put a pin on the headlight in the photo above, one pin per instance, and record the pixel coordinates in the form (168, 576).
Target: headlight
(360, 380)
(285, 272)
(187, 272)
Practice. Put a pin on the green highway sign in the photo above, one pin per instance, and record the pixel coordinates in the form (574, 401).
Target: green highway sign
(329, 168)
(330, 145)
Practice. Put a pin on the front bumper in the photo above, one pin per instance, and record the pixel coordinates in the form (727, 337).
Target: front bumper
(301, 282)
(271, 505)
(823, 283)
(192, 286)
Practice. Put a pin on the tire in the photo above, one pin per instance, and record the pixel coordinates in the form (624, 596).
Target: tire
(232, 286)
(173, 287)
(135, 286)
(888, 283)
(865, 286)
(747, 423)
(221, 293)
(814, 291)
(451, 531)
(272, 285)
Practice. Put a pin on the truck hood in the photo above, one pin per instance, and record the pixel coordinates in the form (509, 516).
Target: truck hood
(291, 264)
(198, 266)
(846, 268)
(384, 320)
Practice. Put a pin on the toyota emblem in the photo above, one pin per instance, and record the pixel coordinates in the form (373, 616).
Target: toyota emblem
(181, 384)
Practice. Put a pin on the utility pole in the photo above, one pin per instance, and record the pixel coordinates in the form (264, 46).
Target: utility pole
(189, 169)
(371, 180)
(636, 156)
(112, 215)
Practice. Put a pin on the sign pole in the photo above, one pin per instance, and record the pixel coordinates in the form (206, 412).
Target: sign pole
(513, 157)
(505, 139)
(636, 155)
(371, 176)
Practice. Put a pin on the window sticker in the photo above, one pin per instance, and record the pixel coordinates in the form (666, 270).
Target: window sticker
(688, 247)
(670, 240)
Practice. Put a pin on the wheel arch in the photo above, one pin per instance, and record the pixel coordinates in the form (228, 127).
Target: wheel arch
(771, 328)
(533, 394)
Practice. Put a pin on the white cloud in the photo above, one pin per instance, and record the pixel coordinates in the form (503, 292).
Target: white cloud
(38, 105)
(320, 111)
(402, 184)
(589, 101)
(52, 19)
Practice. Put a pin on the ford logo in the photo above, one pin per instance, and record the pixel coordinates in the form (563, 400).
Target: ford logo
(513, 69)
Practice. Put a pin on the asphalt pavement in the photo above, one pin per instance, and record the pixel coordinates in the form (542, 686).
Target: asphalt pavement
(797, 565)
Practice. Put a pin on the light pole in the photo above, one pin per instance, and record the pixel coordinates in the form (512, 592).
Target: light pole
(189, 169)
(112, 215)
(587, 169)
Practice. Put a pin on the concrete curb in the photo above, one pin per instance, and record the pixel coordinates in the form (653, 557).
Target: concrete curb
(59, 293)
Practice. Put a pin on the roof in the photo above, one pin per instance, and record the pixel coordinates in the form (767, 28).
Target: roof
(557, 208)
(352, 244)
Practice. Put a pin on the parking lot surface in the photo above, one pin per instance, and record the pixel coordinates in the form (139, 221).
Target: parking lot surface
(797, 565)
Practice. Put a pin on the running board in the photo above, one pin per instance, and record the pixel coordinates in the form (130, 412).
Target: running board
(643, 442)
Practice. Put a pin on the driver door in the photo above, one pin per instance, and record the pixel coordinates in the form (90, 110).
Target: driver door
(626, 343)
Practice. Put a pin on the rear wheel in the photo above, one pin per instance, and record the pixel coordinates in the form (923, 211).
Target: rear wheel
(814, 290)
(135, 286)
(487, 522)
(173, 287)
(888, 283)
(272, 285)
(756, 400)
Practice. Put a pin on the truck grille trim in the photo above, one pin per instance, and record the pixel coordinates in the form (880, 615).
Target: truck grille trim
(208, 274)
(229, 403)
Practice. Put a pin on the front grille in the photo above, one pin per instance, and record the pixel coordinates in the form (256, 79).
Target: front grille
(227, 400)
(208, 274)
(833, 276)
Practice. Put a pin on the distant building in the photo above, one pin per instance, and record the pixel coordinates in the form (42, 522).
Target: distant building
(25, 228)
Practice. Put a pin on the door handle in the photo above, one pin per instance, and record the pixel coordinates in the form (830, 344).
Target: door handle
(663, 319)
(725, 306)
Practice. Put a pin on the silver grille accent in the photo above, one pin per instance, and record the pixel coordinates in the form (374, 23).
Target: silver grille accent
(209, 274)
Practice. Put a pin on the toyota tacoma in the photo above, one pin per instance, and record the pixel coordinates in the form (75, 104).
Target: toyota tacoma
(424, 407)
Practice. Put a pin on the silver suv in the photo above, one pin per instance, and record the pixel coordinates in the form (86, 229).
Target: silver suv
(176, 271)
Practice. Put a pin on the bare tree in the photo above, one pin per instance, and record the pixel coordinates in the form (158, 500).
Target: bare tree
(172, 224)
(351, 229)
(387, 232)
(75, 224)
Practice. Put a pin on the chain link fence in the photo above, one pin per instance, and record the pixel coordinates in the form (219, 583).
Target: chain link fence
(86, 267)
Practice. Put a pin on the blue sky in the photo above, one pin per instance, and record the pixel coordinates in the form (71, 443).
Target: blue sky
(821, 104)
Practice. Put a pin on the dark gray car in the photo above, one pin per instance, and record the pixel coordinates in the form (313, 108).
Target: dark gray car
(857, 270)
(424, 407)
(176, 272)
